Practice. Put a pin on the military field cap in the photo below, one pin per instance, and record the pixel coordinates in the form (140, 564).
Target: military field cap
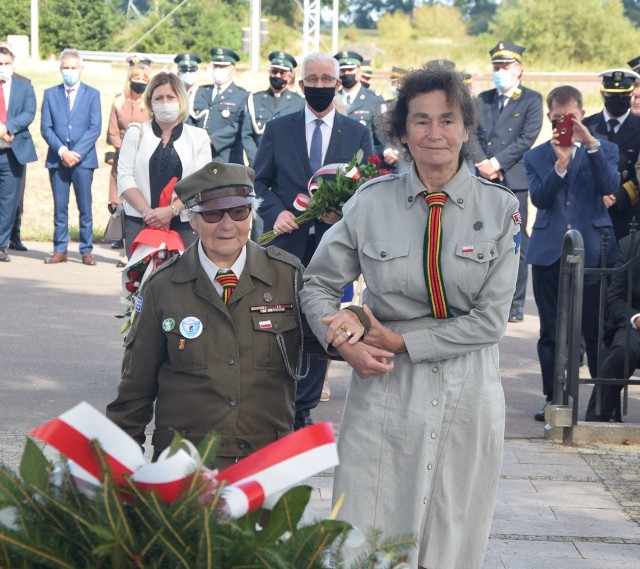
(6, 45)
(282, 60)
(137, 59)
(217, 186)
(187, 61)
(397, 73)
(348, 59)
(505, 52)
(366, 69)
(635, 64)
(618, 80)
(224, 56)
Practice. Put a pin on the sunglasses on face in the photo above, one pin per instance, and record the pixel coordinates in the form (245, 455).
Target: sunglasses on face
(239, 213)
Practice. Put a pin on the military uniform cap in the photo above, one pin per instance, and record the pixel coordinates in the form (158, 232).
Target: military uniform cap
(137, 59)
(505, 52)
(282, 60)
(635, 64)
(222, 55)
(618, 80)
(6, 45)
(217, 185)
(348, 59)
(397, 73)
(187, 61)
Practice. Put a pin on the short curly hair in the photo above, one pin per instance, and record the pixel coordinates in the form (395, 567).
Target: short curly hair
(436, 75)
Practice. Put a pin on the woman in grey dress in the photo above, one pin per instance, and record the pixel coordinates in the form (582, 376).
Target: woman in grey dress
(422, 433)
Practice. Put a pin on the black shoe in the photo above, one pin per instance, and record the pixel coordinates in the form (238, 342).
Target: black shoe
(516, 314)
(539, 416)
(301, 423)
(17, 245)
(117, 245)
(120, 264)
(4, 256)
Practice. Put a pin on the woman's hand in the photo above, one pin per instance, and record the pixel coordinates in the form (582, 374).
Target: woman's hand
(367, 361)
(380, 336)
(344, 326)
(159, 217)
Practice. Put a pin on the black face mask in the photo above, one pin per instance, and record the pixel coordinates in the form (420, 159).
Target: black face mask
(348, 80)
(319, 98)
(617, 105)
(137, 87)
(277, 83)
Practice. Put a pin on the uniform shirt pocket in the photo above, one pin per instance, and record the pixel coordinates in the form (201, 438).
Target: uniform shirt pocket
(385, 265)
(185, 353)
(472, 264)
(266, 327)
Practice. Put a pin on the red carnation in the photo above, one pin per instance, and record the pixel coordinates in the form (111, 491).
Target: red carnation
(375, 160)
(131, 286)
(134, 275)
(384, 172)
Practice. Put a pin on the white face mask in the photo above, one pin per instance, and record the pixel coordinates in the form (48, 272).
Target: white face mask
(166, 112)
(6, 71)
(220, 75)
(188, 78)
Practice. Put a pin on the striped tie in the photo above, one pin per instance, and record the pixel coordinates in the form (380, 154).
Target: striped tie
(228, 281)
(432, 245)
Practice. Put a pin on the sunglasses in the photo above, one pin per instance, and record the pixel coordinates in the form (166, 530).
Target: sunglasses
(239, 213)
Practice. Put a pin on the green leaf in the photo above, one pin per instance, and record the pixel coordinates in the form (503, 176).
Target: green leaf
(35, 469)
(177, 443)
(359, 156)
(286, 514)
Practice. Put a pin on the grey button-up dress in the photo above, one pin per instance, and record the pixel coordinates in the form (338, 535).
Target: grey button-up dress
(421, 447)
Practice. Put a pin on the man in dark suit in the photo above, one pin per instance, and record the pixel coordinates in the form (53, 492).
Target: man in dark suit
(567, 184)
(17, 111)
(620, 319)
(292, 149)
(71, 125)
(510, 122)
(219, 107)
(275, 102)
(619, 125)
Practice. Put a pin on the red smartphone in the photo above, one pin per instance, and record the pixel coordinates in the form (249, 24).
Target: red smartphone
(564, 126)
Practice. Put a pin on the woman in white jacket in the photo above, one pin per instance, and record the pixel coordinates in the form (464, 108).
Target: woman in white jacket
(153, 153)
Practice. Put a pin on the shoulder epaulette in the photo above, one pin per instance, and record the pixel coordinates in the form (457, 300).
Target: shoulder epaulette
(490, 183)
(164, 266)
(281, 255)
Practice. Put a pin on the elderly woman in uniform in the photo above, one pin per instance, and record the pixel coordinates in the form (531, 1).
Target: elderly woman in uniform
(422, 434)
(217, 342)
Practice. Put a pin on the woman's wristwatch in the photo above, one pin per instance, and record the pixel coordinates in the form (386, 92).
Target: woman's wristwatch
(175, 211)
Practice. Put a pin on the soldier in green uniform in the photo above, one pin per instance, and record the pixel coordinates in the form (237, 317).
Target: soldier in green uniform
(275, 102)
(217, 340)
(188, 65)
(219, 107)
(366, 73)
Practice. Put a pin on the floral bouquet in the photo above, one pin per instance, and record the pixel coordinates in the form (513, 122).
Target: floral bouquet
(327, 196)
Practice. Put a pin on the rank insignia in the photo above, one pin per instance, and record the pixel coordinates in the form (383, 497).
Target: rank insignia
(478, 225)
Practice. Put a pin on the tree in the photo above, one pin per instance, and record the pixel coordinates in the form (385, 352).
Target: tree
(632, 11)
(477, 13)
(15, 19)
(579, 31)
(439, 21)
(366, 12)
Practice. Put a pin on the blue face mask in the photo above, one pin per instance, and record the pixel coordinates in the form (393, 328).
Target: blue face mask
(502, 80)
(70, 76)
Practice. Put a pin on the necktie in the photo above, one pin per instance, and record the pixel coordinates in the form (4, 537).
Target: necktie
(69, 91)
(613, 123)
(216, 92)
(315, 152)
(349, 100)
(228, 281)
(502, 101)
(432, 243)
(3, 106)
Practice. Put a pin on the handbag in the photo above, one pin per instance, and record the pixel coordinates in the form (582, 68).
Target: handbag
(115, 227)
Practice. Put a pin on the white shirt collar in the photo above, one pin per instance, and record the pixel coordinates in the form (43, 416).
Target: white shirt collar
(212, 269)
(328, 119)
(620, 120)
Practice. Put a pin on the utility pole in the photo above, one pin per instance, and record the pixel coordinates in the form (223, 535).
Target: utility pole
(255, 35)
(35, 35)
(311, 27)
(334, 27)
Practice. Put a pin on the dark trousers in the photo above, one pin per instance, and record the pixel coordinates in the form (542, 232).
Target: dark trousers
(11, 173)
(61, 180)
(546, 282)
(613, 368)
(523, 269)
(17, 222)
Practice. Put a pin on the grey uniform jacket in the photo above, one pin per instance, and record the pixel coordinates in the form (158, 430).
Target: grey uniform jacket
(420, 448)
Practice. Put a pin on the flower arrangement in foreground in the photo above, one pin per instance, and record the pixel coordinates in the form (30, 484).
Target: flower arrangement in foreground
(57, 518)
(328, 195)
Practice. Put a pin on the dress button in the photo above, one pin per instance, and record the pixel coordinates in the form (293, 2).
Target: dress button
(276, 326)
(410, 199)
(434, 369)
(242, 445)
(232, 403)
(429, 466)
(568, 204)
(492, 252)
(434, 435)
(434, 402)
(424, 501)
(460, 201)
(568, 226)
(231, 361)
(480, 255)
(383, 254)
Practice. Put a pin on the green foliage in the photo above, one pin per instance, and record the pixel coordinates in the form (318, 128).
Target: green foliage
(65, 526)
(438, 21)
(477, 13)
(395, 26)
(365, 13)
(15, 18)
(560, 33)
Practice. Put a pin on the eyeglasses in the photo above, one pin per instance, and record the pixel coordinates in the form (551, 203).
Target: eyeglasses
(239, 213)
(325, 80)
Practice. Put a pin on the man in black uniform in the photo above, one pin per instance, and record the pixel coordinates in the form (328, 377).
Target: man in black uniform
(617, 124)
(510, 122)
(276, 101)
(219, 107)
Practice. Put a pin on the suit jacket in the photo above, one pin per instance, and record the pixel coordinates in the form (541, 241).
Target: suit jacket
(283, 169)
(628, 140)
(366, 105)
(77, 129)
(618, 314)
(507, 135)
(572, 202)
(20, 114)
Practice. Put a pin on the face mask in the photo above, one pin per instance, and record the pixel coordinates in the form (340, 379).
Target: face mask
(6, 71)
(137, 87)
(188, 78)
(348, 80)
(166, 112)
(319, 98)
(70, 76)
(277, 83)
(617, 105)
(502, 79)
(394, 91)
(220, 75)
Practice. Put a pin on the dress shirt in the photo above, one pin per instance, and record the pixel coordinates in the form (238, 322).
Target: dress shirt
(6, 89)
(620, 120)
(74, 93)
(326, 128)
(212, 269)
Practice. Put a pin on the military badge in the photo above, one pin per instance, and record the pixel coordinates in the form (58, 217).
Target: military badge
(267, 297)
(517, 218)
(168, 324)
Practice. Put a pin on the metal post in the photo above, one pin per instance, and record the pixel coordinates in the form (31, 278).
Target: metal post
(35, 32)
(311, 27)
(335, 22)
(255, 35)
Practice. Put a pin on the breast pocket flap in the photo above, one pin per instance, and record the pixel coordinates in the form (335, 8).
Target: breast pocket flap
(275, 323)
(385, 250)
(478, 251)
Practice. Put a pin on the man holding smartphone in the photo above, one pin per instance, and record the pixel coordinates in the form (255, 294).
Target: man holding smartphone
(616, 123)
(567, 184)
(510, 122)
